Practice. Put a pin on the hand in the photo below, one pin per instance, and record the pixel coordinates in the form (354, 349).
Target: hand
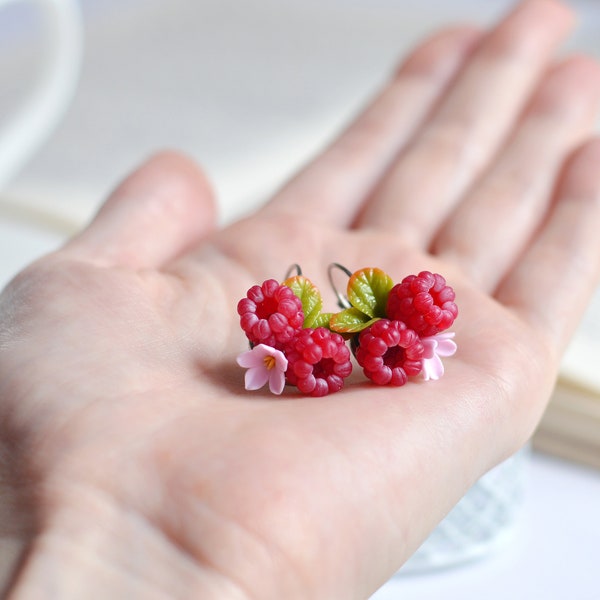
(136, 465)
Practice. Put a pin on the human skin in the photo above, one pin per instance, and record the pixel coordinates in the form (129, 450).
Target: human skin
(135, 465)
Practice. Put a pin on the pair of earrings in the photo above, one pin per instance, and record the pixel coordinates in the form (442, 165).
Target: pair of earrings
(395, 331)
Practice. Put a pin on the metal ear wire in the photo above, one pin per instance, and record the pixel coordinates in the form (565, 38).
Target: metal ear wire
(295, 267)
(342, 299)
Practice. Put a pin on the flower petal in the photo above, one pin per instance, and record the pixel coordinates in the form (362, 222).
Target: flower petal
(446, 348)
(250, 359)
(433, 368)
(256, 377)
(277, 380)
(281, 362)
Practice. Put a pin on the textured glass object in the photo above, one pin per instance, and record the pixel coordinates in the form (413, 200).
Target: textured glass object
(483, 520)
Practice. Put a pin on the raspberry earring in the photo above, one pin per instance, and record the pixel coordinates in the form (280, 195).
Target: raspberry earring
(290, 338)
(395, 331)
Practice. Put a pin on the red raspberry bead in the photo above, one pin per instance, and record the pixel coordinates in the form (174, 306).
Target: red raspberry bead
(424, 302)
(270, 314)
(389, 352)
(318, 361)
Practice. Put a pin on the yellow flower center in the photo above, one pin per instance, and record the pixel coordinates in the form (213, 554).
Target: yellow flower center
(269, 362)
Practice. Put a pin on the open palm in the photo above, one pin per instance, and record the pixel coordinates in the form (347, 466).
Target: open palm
(136, 465)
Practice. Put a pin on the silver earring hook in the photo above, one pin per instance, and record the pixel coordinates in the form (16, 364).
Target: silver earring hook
(293, 268)
(343, 301)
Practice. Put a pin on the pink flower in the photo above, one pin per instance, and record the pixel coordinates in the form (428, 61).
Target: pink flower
(264, 364)
(437, 345)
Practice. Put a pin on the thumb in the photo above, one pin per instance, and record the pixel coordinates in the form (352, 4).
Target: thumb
(158, 212)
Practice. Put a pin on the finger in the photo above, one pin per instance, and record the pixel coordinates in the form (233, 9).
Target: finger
(493, 224)
(336, 182)
(463, 135)
(156, 214)
(553, 281)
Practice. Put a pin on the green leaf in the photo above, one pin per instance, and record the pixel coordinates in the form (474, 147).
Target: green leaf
(350, 320)
(368, 291)
(309, 296)
(322, 320)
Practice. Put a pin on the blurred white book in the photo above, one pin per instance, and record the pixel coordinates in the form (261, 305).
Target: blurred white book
(571, 425)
